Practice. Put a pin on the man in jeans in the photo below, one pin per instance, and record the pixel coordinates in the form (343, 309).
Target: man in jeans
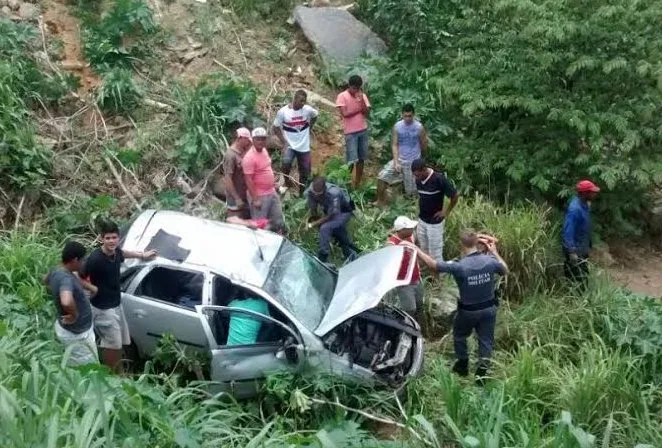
(73, 326)
(337, 208)
(432, 188)
(260, 181)
(475, 275)
(408, 142)
(292, 125)
(577, 233)
(411, 296)
(354, 109)
(233, 175)
(103, 270)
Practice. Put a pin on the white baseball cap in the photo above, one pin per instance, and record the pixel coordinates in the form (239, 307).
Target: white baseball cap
(259, 132)
(402, 222)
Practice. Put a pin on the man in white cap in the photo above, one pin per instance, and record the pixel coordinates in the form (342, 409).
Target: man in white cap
(411, 296)
(260, 182)
(233, 175)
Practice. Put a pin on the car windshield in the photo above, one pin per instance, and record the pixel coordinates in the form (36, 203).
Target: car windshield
(300, 283)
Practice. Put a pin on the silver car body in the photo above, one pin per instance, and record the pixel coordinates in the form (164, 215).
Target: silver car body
(311, 300)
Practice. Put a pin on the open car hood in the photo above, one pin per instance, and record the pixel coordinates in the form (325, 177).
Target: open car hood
(363, 283)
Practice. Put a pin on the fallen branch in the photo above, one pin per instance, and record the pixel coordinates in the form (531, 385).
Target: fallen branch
(157, 104)
(117, 177)
(18, 212)
(224, 66)
(241, 47)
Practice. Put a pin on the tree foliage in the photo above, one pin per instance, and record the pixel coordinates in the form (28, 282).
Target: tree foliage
(539, 93)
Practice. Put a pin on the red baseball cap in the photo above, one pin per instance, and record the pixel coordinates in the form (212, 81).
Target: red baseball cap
(586, 186)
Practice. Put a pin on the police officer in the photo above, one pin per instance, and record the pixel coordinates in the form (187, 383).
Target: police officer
(474, 273)
(337, 209)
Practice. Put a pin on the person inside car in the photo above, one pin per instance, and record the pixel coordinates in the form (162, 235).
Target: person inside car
(244, 328)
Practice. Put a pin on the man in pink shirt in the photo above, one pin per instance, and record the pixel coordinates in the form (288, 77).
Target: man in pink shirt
(354, 109)
(260, 182)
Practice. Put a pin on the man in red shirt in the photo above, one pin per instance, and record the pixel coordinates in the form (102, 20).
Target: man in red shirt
(260, 182)
(411, 296)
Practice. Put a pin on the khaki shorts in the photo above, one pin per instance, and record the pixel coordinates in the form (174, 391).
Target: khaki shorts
(111, 328)
(82, 347)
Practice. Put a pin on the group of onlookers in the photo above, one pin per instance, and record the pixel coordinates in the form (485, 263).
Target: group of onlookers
(252, 199)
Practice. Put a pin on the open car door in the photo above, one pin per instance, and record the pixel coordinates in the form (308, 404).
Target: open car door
(240, 369)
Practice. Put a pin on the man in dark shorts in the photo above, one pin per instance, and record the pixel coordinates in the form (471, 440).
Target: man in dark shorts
(73, 326)
(103, 270)
(475, 276)
(233, 175)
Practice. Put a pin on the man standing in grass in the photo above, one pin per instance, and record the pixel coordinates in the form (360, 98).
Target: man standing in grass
(337, 208)
(73, 326)
(475, 275)
(408, 143)
(433, 188)
(354, 109)
(103, 270)
(292, 125)
(260, 181)
(233, 175)
(411, 296)
(577, 233)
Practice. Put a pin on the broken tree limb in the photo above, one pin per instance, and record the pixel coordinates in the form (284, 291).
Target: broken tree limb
(18, 212)
(317, 98)
(118, 178)
(157, 104)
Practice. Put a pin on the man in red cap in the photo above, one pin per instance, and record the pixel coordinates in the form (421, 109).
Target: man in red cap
(577, 232)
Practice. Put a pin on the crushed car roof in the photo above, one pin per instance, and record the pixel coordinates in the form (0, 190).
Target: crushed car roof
(235, 251)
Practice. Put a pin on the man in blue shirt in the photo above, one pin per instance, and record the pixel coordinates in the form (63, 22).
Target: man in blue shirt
(576, 233)
(337, 209)
(475, 275)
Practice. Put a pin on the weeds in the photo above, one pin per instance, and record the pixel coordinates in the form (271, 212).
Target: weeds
(208, 113)
(119, 92)
(24, 85)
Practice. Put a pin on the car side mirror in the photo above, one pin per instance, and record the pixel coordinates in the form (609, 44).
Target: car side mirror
(291, 350)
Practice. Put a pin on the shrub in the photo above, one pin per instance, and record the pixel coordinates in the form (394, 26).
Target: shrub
(119, 92)
(534, 106)
(119, 36)
(209, 111)
(23, 84)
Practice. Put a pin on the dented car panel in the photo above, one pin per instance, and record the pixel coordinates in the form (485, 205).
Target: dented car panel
(327, 319)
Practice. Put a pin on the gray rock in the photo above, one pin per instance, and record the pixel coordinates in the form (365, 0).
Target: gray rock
(6, 11)
(337, 35)
(28, 11)
(14, 4)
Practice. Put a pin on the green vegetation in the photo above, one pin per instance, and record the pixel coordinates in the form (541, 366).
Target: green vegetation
(537, 94)
(119, 36)
(24, 85)
(119, 92)
(208, 113)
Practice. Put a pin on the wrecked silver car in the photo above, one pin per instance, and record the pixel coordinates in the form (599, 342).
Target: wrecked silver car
(313, 315)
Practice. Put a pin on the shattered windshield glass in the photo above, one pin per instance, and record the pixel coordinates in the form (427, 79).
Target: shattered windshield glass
(302, 284)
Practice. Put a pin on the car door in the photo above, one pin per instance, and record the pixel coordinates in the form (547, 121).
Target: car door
(240, 369)
(151, 308)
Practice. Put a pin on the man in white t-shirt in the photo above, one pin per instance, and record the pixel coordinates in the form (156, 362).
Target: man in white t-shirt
(292, 126)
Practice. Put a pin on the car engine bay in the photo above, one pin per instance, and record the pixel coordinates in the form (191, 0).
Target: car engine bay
(380, 339)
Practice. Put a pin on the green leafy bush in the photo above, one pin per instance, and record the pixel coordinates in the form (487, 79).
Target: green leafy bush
(23, 85)
(208, 112)
(538, 94)
(119, 36)
(119, 92)
(261, 9)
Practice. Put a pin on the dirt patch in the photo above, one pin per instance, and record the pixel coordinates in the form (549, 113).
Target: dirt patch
(65, 27)
(638, 268)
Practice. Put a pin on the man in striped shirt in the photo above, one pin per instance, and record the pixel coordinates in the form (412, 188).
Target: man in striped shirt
(292, 125)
